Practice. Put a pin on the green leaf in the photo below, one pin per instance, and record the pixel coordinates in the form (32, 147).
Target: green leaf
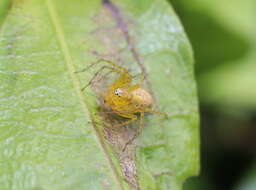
(53, 137)
(4, 5)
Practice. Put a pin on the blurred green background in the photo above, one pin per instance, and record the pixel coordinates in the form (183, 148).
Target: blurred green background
(223, 35)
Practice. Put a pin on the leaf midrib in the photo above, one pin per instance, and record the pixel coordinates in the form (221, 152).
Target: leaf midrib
(70, 65)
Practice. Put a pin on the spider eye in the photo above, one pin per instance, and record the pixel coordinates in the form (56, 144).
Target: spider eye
(118, 92)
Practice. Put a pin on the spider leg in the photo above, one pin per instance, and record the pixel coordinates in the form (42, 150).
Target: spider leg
(137, 132)
(130, 116)
(124, 79)
(156, 112)
(98, 72)
(95, 75)
(118, 68)
(142, 78)
(136, 86)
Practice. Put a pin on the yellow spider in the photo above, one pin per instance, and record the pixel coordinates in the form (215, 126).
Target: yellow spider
(125, 100)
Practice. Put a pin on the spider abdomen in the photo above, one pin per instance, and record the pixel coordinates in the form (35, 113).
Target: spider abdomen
(141, 98)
